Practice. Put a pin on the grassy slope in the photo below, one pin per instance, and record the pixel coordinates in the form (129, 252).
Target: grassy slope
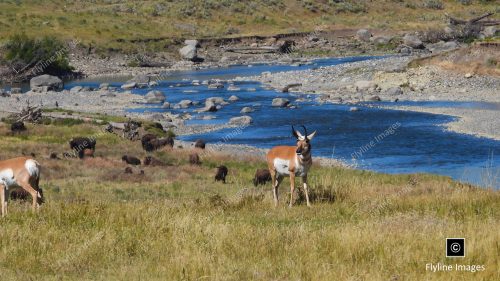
(104, 22)
(175, 223)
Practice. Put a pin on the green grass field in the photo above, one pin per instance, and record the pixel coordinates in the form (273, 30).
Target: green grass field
(176, 223)
(112, 24)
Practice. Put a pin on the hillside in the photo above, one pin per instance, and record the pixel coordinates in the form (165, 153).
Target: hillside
(115, 23)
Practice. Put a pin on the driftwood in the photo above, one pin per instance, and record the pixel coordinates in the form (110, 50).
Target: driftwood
(130, 130)
(474, 21)
(472, 27)
(29, 113)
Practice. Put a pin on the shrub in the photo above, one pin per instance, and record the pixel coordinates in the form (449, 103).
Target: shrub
(434, 4)
(47, 54)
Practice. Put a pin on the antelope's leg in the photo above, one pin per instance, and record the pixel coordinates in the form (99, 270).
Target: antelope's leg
(274, 183)
(306, 191)
(33, 192)
(292, 186)
(3, 199)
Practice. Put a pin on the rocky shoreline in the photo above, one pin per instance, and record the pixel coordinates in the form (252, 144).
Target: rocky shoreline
(390, 79)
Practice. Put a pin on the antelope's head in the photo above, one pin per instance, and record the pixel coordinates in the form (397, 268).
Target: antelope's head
(303, 141)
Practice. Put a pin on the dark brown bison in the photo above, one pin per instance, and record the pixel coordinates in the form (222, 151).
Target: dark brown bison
(17, 127)
(129, 170)
(200, 144)
(261, 177)
(23, 195)
(131, 160)
(221, 173)
(151, 142)
(194, 159)
(84, 147)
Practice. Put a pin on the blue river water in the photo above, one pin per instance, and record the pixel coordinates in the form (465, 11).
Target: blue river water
(384, 140)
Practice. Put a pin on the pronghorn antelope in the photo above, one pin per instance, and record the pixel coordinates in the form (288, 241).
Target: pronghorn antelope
(291, 161)
(21, 172)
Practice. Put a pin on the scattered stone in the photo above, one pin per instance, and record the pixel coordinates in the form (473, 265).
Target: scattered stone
(185, 103)
(103, 86)
(233, 98)
(442, 46)
(240, 121)
(246, 109)
(128, 86)
(287, 88)
(372, 98)
(166, 105)
(363, 35)
(394, 91)
(4, 93)
(412, 41)
(52, 83)
(354, 108)
(280, 102)
(216, 85)
(468, 75)
(364, 85)
(155, 96)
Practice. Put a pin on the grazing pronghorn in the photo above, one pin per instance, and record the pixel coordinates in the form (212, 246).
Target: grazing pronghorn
(291, 161)
(21, 172)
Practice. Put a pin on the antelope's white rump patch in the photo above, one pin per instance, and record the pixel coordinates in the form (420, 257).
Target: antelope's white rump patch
(32, 167)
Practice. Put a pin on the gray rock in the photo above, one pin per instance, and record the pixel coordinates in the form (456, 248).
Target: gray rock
(192, 42)
(185, 103)
(365, 85)
(372, 98)
(128, 86)
(240, 121)
(153, 83)
(166, 105)
(53, 83)
(75, 89)
(246, 109)
(287, 88)
(394, 91)
(155, 97)
(280, 102)
(381, 40)
(354, 108)
(216, 85)
(442, 46)
(189, 52)
(412, 41)
(363, 35)
(233, 98)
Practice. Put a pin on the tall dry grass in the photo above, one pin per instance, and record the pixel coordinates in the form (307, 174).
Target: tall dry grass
(176, 223)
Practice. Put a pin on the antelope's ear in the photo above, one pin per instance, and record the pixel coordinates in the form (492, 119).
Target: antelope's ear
(297, 134)
(311, 136)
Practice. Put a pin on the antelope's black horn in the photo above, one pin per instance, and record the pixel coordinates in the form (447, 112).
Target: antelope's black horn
(305, 131)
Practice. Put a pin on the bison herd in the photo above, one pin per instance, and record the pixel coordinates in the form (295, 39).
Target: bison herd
(85, 147)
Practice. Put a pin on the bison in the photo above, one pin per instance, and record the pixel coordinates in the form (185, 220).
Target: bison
(199, 144)
(131, 160)
(221, 173)
(85, 147)
(17, 127)
(261, 177)
(151, 142)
